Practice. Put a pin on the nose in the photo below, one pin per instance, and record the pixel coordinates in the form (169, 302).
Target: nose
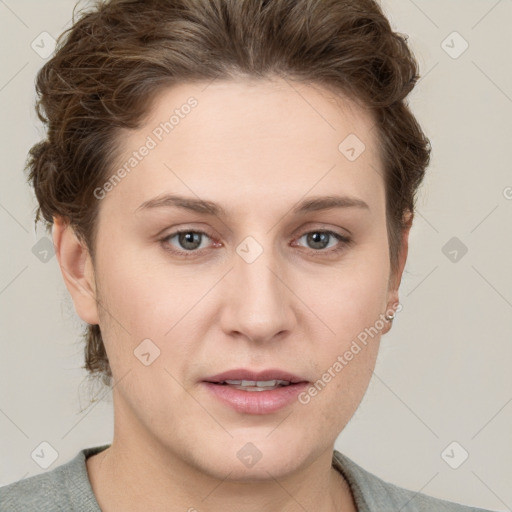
(258, 303)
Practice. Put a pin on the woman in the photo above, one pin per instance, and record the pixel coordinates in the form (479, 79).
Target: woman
(230, 186)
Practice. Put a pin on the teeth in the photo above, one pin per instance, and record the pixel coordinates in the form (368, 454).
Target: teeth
(264, 383)
(256, 385)
(259, 383)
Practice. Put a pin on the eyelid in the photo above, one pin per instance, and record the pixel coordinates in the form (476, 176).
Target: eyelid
(344, 241)
(165, 238)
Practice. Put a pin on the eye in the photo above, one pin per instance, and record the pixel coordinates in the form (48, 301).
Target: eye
(187, 240)
(320, 241)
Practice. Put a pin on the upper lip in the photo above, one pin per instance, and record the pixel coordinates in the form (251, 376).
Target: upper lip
(263, 375)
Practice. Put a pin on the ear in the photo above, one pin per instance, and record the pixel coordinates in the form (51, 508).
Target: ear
(396, 278)
(77, 270)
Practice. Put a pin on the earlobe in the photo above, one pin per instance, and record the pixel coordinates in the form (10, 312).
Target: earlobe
(393, 295)
(404, 249)
(77, 270)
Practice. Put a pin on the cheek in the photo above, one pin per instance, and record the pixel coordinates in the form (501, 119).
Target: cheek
(351, 312)
(127, 298)
(350, 298)
(146, 300)
(149, 309)
(134, 289)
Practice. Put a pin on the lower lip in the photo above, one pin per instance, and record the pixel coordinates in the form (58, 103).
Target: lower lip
(256, 402)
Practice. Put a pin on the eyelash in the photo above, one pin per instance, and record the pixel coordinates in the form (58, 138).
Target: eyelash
(345, 241)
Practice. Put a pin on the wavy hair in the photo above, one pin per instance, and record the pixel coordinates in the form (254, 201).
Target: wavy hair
(118, 55)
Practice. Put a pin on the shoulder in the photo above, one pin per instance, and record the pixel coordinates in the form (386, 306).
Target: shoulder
(44, 492)
(371, 493)
(60, 489)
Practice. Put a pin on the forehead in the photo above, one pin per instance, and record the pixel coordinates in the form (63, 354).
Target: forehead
(243, 139)
(260, 110)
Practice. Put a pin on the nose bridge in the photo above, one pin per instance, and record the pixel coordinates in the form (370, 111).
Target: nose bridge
(260, 304)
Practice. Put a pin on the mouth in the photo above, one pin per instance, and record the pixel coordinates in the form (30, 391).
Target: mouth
(254, 385)
(251, 380)
(252, 392)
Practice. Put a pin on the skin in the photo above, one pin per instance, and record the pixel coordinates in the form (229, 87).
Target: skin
(257, 148)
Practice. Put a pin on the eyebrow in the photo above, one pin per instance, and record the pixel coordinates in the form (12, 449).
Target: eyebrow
(210, 208)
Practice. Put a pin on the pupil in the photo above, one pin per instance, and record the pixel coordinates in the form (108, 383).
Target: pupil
(190, 238)
(319, 240)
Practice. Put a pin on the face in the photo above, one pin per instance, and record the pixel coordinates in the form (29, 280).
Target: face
(269, 280)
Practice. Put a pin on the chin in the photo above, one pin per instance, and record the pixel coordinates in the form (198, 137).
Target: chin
(250, 456)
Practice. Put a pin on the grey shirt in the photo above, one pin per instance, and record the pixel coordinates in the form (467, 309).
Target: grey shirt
(67, 488)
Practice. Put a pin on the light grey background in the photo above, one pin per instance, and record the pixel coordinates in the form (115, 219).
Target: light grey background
(443, 373)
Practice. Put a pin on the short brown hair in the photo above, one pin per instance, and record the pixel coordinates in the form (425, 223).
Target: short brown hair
(114, 60)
